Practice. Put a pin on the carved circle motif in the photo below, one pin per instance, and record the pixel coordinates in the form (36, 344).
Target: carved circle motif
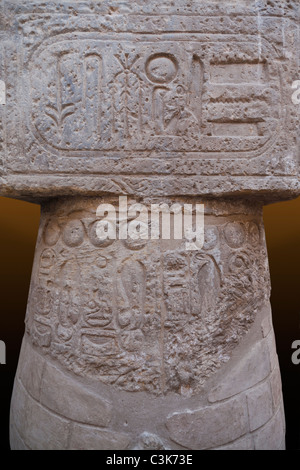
(234, 233)
(47, 258)
(238, 262)
(94, 239)
(101, 262)
(73, 233)
(138, 243)
(161, 68)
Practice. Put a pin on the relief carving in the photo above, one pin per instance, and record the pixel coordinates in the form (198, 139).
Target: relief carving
(203, 96)
(151, 100)
(140, 317)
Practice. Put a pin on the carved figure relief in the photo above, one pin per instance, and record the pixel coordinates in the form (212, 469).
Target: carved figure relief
(176, 95)
(144, 318)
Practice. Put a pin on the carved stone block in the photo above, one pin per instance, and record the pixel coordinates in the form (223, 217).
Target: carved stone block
(113, 97)
(135, 343)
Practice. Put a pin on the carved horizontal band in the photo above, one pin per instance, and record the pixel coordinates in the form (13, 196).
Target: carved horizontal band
(206, 95)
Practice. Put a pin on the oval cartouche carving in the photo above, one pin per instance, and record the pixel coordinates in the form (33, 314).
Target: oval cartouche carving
(234, 233)
(91, 96)
(51, 233)
(94, 239)
(73, 234)
(254, 233)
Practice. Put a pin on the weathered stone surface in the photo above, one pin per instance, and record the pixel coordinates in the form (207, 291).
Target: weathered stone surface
(19, 410)
(68, 398)
(31, 370)
(148, 441)
(252, 368)
(272, 435)
(272, 350)
(245, 443)
(266, 324)
(157, 334)
(44, 430)
(192, 97)
(164, 102)
(88, 438)
(276, 387)
(38, 428)
(211, 426)
(16, 439)
(175, 316)
(260, 405)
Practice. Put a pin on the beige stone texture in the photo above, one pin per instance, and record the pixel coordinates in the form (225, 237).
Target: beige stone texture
(143, 344)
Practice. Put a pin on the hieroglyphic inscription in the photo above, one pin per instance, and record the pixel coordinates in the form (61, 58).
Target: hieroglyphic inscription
(142, 317)
(104, 95)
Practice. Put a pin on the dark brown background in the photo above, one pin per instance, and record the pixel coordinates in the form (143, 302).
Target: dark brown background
(18, 231)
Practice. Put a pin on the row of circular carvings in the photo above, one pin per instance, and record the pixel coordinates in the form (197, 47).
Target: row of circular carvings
(75, 232)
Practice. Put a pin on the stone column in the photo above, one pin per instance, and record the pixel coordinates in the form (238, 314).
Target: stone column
(142, 344)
